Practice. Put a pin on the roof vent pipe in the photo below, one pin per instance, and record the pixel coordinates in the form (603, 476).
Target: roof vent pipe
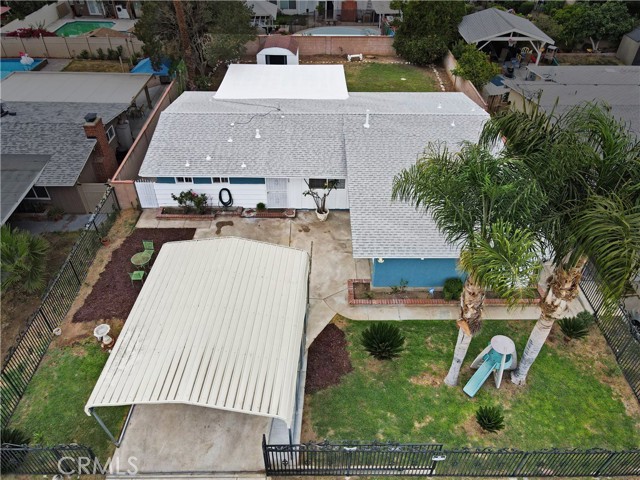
(258, 133)
(366, 122)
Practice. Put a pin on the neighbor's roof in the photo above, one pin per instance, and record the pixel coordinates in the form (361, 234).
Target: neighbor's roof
(219, 323)
(287, 42)
(383, 8)
(73, 87)
(563, 87)
(634, 34)
(18, 173)
(53, 129)
(107, 32)
(263, 8)
(283, 81)
(492, 22)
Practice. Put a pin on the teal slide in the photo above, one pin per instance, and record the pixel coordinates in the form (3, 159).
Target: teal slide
(492, 362)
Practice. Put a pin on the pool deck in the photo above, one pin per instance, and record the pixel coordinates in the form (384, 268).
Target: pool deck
(122, 25)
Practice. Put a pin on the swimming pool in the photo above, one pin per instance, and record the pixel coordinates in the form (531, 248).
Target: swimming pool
(73, 29)
(8, 65)
(341, 31)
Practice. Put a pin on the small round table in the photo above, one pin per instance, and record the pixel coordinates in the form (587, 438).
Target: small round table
(142, 258)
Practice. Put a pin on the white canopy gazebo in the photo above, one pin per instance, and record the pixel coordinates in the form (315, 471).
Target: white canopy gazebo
(495, 25)
(219, 323)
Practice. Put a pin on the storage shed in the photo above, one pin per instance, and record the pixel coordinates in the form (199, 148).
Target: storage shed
(279, 50)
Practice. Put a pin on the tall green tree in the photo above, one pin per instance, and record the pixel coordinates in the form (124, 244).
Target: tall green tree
(594, 20)
(213, 34)
(475, 66)
(588, 164)
(480, 202)
(427, 29)
(23, 259)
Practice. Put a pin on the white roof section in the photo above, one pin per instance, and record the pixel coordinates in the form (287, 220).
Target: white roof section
(263, 8)
(311, 82)
(17, 175)
(219, 324)
(73, 87)
(494, 23)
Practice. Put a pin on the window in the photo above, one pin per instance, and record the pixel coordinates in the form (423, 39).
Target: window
(111, 132)
(288, 4)
(184, 180)
(220, 180)
(40, 193)
(246, 181)
(320, 183)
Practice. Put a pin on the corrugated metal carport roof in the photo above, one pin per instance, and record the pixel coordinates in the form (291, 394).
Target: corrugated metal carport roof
(219, 324)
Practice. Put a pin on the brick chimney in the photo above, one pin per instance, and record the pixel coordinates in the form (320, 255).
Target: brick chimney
(104, 161)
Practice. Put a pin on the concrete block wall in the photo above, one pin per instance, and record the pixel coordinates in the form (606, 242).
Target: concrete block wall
(335, 45)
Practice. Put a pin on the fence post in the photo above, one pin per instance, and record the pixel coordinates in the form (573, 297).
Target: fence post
(46, 320)
(521, 464)
(74, 272)
(611, 456)
(96, 227)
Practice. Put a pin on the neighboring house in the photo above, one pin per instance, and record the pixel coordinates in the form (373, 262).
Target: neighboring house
(267, 149)
(629, 48)
(346, 11)
(503, 30)
(264, 13)
(76, 120)
(279, 50)
(558, 88)
(111, 8)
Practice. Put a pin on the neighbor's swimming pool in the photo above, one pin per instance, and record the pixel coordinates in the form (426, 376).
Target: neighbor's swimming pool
(342, 31)
(8, 65)
(73, 29)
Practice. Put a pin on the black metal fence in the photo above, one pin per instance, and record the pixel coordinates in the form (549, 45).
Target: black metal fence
(617, 326)
(23, 358)
(348, 458)
(60, 459)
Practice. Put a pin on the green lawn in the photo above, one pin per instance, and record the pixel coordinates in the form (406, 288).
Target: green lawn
(385, 77)
(565, 404)
(52, 409)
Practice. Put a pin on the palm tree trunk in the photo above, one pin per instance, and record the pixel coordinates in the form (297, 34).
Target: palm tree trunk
(186, 44)
(563, 288)
(471, 304)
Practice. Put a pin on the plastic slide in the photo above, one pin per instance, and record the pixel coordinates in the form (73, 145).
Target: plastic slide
(492, 362)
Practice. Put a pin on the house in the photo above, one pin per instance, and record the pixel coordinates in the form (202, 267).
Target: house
(264, 13)
(629, 48)
(558, 88)
(279, 50)
(78, 121)
(267, 150)
(366, 11)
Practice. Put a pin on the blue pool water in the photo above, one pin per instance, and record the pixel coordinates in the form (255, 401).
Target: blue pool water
(8, 65)
(342, 31)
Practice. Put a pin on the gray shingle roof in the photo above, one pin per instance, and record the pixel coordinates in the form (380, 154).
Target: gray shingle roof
(18, 174)
(53, 129)
(492, 22)
(323, 138)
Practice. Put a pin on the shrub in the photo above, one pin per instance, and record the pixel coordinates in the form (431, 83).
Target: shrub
(10, 461)
(84, 55)
(490, 419)
(400, 288)
(191, 200)
(576, 327)
(134, 59)
(31, 32)
(100, 54)
(525, 8)
(24, 259)
(383, 341)
(261, 206)
(452, 288)
(55, 213)
(458, 48)
(112, 54)
(474, 65)
(421, 50)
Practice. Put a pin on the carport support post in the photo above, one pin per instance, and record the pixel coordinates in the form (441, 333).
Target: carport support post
(104, 427)
(146, 94)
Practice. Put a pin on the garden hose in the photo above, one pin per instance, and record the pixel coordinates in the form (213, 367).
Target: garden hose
(229, 201)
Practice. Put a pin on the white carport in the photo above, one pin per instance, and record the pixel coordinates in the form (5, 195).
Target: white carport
(219, 323)
(495, 25)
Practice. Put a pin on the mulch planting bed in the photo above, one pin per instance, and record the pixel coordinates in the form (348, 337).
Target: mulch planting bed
(328, 359)
(113, 295)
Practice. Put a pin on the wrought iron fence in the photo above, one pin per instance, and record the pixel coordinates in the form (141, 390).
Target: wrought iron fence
(60, 459)
(23, 358)
(353, 458)
(617, 326)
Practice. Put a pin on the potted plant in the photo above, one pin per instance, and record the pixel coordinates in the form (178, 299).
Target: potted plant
(320, 200)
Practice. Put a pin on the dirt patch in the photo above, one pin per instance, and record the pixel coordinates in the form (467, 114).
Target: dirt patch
(221, 225)
(432, 377)
(418, 425)
(113, 295)
(307, 434)
(328, 359)
(304, 228)
(17, 306)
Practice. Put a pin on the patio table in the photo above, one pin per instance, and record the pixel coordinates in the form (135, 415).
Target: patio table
(141, 259)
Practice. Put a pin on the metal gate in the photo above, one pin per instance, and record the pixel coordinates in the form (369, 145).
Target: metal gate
(276, 192)
(146, 193)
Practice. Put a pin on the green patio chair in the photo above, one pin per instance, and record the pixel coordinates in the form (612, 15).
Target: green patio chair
(148, 245)
(137, 276)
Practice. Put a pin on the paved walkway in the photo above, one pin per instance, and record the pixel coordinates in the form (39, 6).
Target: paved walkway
(68, 223)
(56, 64)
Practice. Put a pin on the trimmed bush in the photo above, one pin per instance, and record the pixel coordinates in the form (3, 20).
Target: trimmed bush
(452, 288)
(576, 327)
(490, 418)
(383, 341)
(261, 206)
(24, 259)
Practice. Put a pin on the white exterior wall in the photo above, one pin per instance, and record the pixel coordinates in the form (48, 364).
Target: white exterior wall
(261, 57)
(337, 200)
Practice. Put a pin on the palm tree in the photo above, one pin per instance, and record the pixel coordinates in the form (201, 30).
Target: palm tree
(588, 163)
(479, 202)
(24, 259)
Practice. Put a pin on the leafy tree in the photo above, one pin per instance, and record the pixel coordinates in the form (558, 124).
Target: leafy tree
(474, 65)
(24, 259)
(427, 29)
(22, 8)
(588, 164)
(481, 203)
(212, 34)
(596, 21)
